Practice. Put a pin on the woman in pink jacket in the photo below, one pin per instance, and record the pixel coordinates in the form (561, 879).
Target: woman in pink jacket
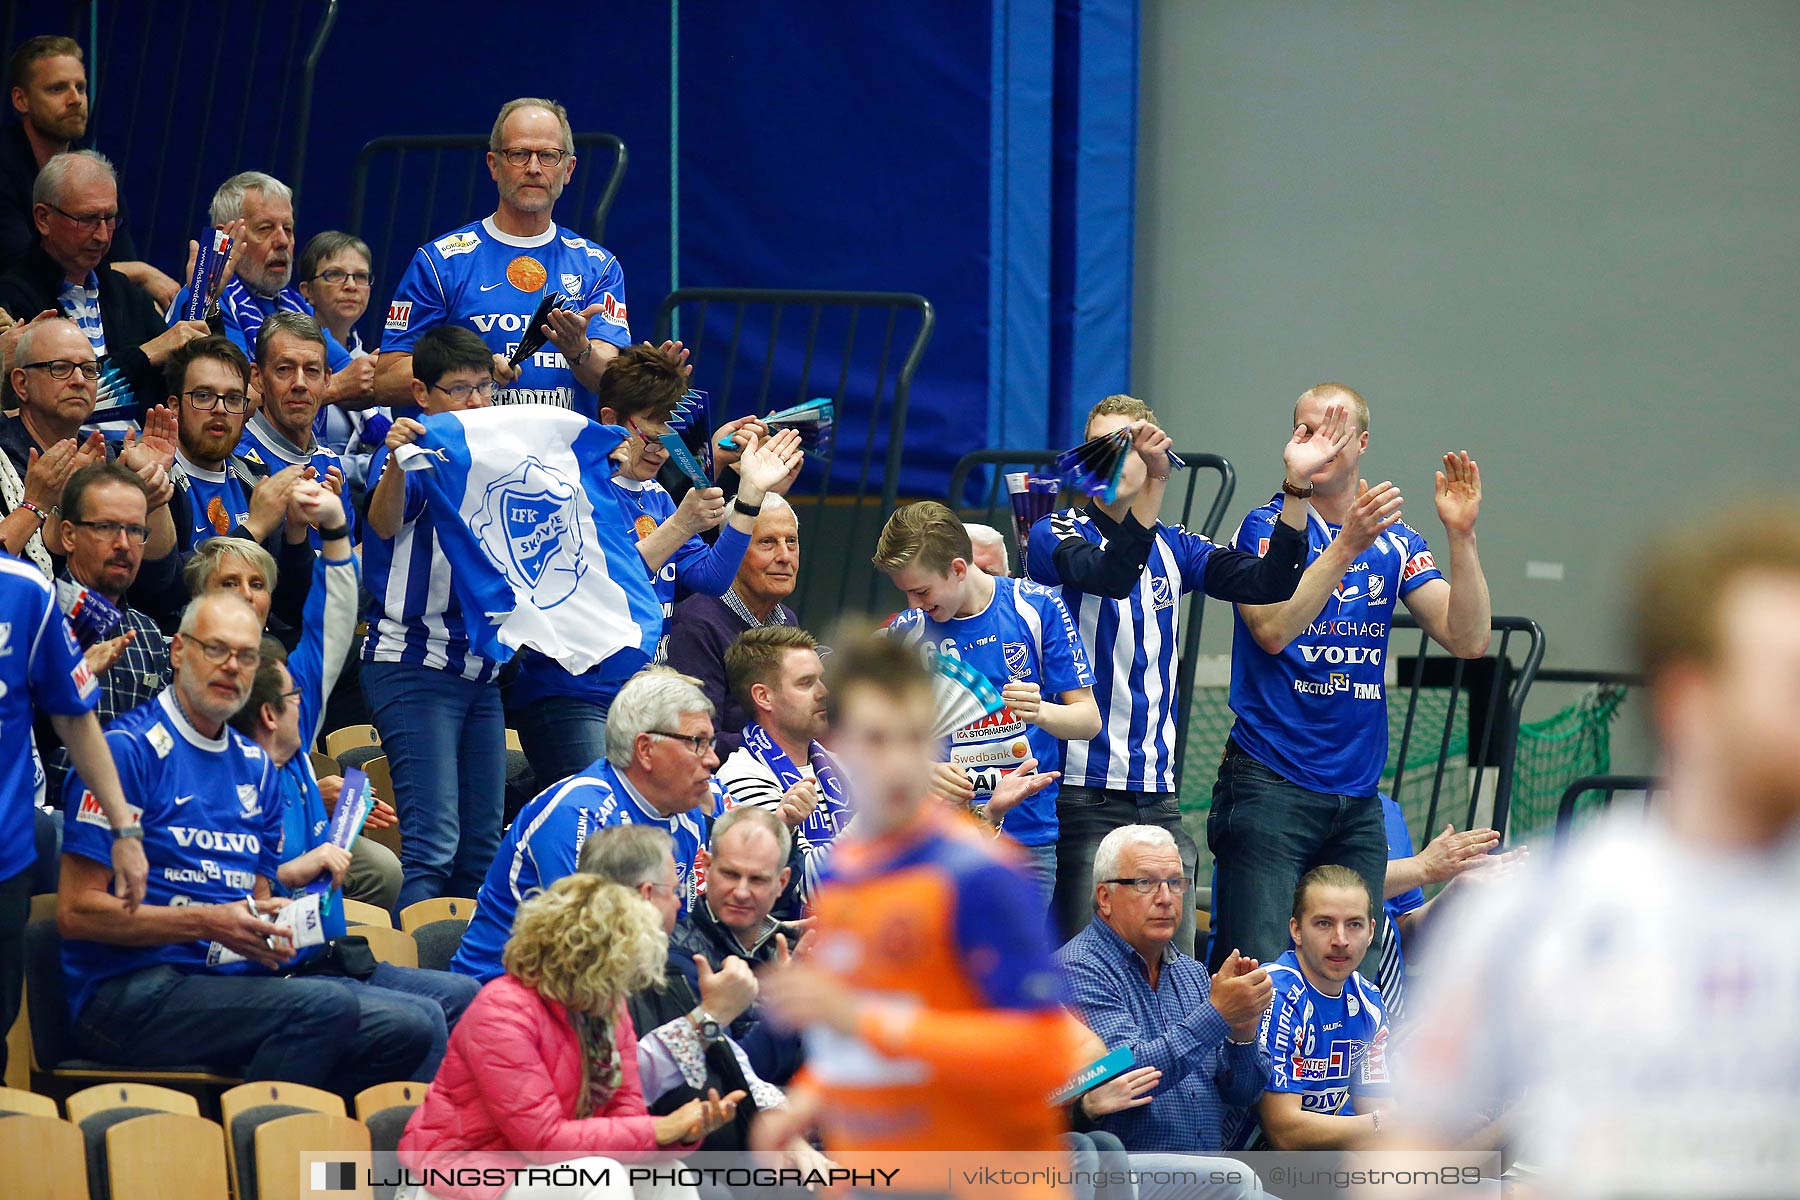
(541, 1073)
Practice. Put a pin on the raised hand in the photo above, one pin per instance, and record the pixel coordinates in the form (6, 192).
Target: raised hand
(678, 354)
(504, 372)
(353, 382)
(567, 329)
(1153, 446)
(1310, 451)
(1450, 853)
(9, 339)
(1127, 1091)
(734, 431)
(767, 462)
(102, 655)
(1459, 493)
(403, 432)
(157, 443)
(1241, 992)
(312, 503)
(1017, 786)
(798, 803)
(1372, 513)
(728, 992)
(269, 501)
(701, 509)
(46, 473)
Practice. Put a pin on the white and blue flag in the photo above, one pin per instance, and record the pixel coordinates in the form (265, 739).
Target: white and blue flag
(528, 520)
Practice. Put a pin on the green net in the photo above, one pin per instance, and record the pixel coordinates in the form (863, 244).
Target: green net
(1552, 754)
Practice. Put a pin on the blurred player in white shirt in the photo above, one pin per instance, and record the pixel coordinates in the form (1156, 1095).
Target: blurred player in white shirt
(1632, 1003)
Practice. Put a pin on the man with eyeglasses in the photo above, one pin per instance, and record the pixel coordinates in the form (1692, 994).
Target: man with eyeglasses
(1134, 988)
(155, 987)
(658, 771)
(48, 83)
(105, 525)
(54, 375)
(491, 275)
(292, 374)
(75, 211)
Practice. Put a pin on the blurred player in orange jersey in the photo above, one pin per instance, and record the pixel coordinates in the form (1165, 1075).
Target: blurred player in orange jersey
(932, 1007)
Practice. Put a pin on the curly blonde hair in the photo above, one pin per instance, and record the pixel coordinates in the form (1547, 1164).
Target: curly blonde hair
(587, 943)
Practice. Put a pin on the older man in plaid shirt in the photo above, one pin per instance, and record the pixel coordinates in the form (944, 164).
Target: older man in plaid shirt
(104, 526)
(1192, 1035)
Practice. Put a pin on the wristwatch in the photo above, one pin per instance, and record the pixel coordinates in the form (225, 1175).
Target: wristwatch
(1304, 493)
(706, 1025)
(133, 830)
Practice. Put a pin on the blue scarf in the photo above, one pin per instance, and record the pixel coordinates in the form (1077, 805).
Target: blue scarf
(822, 825)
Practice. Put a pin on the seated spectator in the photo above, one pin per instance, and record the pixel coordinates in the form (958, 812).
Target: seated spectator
(544, 1067)
(75, 211)
(561, 717)
(262, 283)
(145, 987)
(48, 81)
(43, 446)
(990, 549)
(335, 274)
(103, 523)
(703, 626)
(42, 671)
(368, 871)
(686, 1051)
(746, 871)
(1134, 988)
(778, 677)
(434, 700)
(1326, 1032)
(657, 771)
(291, 375)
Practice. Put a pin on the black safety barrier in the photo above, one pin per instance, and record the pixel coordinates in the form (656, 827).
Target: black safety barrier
(1494, 688)
(756, 350)
(995, 508)
(1605, 787)
(406, 189)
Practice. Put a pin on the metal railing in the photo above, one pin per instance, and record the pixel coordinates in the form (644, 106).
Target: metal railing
(995, 508)
(759, 349)
(1494, 688)
(428, 184)
(1606, 787)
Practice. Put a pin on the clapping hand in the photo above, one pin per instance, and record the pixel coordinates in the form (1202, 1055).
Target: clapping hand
(1241, 992)
(1017, 786)
(1374, 511)
(1310, 451)
(1459, 493)
(1450, 853)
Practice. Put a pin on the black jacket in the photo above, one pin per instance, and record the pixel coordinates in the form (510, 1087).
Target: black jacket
(18, 171)
(776, 1055)
(655, 1007)
(127, 313)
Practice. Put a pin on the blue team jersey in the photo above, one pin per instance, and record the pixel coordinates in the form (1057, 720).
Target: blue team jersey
(211, 810)
(242, 313)
(266, 447)
(1316, 713)
(42, 670)
(1328, 1050)
(415, 617)
(1400, 845)
(216, 502)
(492, 282)
(695, 567)
(1024, 635)
(1132, 645)
(544, 844)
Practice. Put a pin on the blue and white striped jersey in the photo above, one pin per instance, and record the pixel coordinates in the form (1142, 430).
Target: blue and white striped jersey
(544, 844)
(1132, 644)
(415, 617)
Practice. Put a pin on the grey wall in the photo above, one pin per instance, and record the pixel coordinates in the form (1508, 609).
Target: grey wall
(1563, 236)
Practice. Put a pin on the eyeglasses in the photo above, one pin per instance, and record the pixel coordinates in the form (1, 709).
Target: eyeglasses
(108, 530)
(218, 653)
(291, 694)
(62, 368)
(335, 277)
(462, 391)
(646, 435)
(520, 158)
(1144, 886)
(700, 744)
(92, 221)
(205, 401)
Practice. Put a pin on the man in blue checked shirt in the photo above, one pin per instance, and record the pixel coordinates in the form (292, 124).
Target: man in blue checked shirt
(1134, 988)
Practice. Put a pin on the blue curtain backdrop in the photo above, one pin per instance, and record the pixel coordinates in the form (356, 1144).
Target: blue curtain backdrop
(979, 154)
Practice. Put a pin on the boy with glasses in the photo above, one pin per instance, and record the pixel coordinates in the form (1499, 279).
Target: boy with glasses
(490, 276)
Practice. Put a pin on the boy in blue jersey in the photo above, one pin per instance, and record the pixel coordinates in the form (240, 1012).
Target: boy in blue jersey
(1122, 573)
(1326, 1031)
(1018, 635)
(291, 374)
(42, 670)
(658, 770)
(490, 276)
(151, 988)
(1296, 788)
(561, 717)
(432, 697)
